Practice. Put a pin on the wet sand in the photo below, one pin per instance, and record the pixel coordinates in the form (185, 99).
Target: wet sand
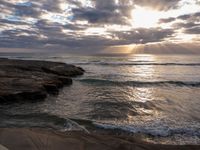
(47, 139)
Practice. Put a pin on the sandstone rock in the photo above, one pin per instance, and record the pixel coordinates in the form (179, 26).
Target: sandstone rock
(24, 80)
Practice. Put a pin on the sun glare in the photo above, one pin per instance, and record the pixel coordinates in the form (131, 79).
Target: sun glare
(146, 18)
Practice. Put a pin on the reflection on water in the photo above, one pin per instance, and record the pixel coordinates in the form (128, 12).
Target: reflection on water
(141, 95)
(144, 71)
(116, 91)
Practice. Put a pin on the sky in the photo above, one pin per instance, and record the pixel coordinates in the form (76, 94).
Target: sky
(100, 26)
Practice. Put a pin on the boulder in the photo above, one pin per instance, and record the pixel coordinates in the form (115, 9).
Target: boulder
(25, 80)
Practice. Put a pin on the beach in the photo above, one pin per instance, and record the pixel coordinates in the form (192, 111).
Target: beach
(100, 74)
(27, 85)
(43, 139)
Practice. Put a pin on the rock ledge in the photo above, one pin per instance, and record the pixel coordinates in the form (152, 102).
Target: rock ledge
(30, 80)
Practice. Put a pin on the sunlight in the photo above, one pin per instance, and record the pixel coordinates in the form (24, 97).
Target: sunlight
(54, 17)
(122, 49)
(143, 17)
(184, 37)
(144, 72)
(95, 31)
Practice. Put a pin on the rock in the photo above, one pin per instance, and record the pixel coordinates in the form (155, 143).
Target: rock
(51, 88)
(65, 80)
(24, 80)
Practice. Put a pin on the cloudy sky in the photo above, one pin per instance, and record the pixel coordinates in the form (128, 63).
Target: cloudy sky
(100, 26)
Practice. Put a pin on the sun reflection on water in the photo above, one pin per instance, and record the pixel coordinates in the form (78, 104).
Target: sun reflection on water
(144, 72)
(142, 97)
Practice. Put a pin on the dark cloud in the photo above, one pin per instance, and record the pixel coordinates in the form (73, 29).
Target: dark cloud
(4, 22)
(74, 27)
(99, 16)
(184, 17)
(51, 5)
(27, 10)
(143, 35)
(50, 35)
(188, 23)
(185, 25)
(30, 8)
(104, 12)
(167, 20)
(193, 30)
(194, 17)
(20, 9)
(16, 39)
(190, 17)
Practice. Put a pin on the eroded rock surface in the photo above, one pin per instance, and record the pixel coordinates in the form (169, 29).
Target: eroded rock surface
(25, 80)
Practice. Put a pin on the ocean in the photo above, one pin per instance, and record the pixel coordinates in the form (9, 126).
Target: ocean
(155, 96)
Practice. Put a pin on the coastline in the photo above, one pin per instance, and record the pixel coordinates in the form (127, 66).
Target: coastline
(35, 138)
(25, 80)
(30, 80)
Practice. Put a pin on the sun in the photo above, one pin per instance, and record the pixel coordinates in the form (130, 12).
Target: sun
(145, 18)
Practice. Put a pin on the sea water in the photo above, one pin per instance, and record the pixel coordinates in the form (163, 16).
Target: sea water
(153, 95)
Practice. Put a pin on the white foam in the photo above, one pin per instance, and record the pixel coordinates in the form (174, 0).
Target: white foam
(154, 130)
(74, 126)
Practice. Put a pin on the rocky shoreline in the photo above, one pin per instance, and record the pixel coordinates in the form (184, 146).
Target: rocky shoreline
(30, 80)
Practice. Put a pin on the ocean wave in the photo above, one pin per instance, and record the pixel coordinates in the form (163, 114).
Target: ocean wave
(152, 64)
(141, 83)
(45, 120)
(31, 120)
(163, 131)
(41, 120)
(71, 125)
(136, 63)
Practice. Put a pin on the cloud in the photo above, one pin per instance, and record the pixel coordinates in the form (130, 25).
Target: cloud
(143, 36)
(193, 17)
(105, 12)
(26, 10)
(50, 35)
(193, 30)
(85, 24)
(19, 9)
(190, 17)
(198, 2)
(162, 5)
(19, 39)
(185, 25)
(167, 20)
(99, 16)
(189, 23)
(3, 22)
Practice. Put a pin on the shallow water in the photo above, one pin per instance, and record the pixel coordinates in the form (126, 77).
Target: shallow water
(158, 96)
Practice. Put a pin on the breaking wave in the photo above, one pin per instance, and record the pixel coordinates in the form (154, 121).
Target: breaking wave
(136, 63)
(141, 83)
